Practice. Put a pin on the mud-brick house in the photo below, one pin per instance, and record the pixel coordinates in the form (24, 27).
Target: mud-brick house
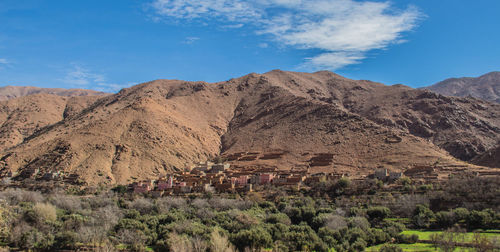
(142, 187)
(241, 180)
(393, 176)
(295, 179)
(165, 184)
(203, 188)
(182, 187)
(219, 168)
(266, 178)
(202, 166)
(52, 175)
(224, 187)
(381, 174)
(316, 178)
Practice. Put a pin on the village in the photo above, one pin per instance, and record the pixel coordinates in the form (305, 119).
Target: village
(224, 178)
(239, 173)
(210, 177)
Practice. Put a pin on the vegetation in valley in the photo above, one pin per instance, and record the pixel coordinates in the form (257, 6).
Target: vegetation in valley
(332, 216)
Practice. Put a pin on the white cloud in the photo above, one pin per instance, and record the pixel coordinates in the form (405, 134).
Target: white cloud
(344, 31)
(190, 40)
(81, 77)
(233, 26)
(4, 61)
(263, 45)
(227, 9)
(112, 87)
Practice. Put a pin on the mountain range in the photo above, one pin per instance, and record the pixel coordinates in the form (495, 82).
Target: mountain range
(283, 119)
(486, 87)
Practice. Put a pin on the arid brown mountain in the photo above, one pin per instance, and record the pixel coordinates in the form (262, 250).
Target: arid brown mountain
(490, 158)
(10, 92)
(283, 119)
(486, 87)
(21, 117)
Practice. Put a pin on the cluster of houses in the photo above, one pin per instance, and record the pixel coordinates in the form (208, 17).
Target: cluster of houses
(385, 175)
(211, 177)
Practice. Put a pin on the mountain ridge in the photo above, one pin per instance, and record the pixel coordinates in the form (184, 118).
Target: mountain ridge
(163, 126)
(485, 87)
(11, 92)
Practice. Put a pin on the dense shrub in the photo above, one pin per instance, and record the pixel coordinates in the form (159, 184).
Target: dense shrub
(390, 248)
(407, 239)
(378, 212)
(256, 237)
(422, 216)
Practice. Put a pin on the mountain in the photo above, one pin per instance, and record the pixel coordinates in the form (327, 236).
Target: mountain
(283, 119)
(23, 116)
(490, 158)
(10, 92)
(486, 87)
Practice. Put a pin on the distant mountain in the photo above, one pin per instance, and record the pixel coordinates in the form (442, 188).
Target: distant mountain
(486, 87)
(285, 119)
(10, 92)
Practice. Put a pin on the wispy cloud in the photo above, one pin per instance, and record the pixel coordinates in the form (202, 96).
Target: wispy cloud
(233, 26)
(263, 45)
(81, 77)
(78, 75)
(343, 31)
(4, 63)
(112, 87)
(190, 40)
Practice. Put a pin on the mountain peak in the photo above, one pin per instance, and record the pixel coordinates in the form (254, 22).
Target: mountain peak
(486, 87)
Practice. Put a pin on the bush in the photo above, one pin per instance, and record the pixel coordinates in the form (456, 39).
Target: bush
(143, 205)
(120, 189)
(445, 219)
(278, 218)
(461, 214)
(16, 196)
(34, 239)
(407, 239)
(219, 242)
(256, 237)
(65, 240)
(422, 216)
(69, 203)
(390, 248)
(42, 212)
(479, 219)
(378, 212)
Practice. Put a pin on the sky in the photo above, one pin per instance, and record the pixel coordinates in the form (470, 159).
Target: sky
(107, 45)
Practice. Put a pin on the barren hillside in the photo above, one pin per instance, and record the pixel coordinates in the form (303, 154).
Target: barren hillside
(486, 87)
(282, 119)
(21, 117)
(11, 92)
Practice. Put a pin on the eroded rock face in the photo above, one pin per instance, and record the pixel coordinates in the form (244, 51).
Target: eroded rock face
(319, 119)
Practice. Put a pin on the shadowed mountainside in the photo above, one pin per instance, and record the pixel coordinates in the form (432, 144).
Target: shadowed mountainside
(490, 158)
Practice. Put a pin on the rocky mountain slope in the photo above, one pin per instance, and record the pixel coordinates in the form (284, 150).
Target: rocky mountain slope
(282, 119)
(486, 87)
(11, 92)
(490, 158)
(21, 117)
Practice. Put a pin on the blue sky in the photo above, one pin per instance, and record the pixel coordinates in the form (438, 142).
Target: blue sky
(110, 44)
